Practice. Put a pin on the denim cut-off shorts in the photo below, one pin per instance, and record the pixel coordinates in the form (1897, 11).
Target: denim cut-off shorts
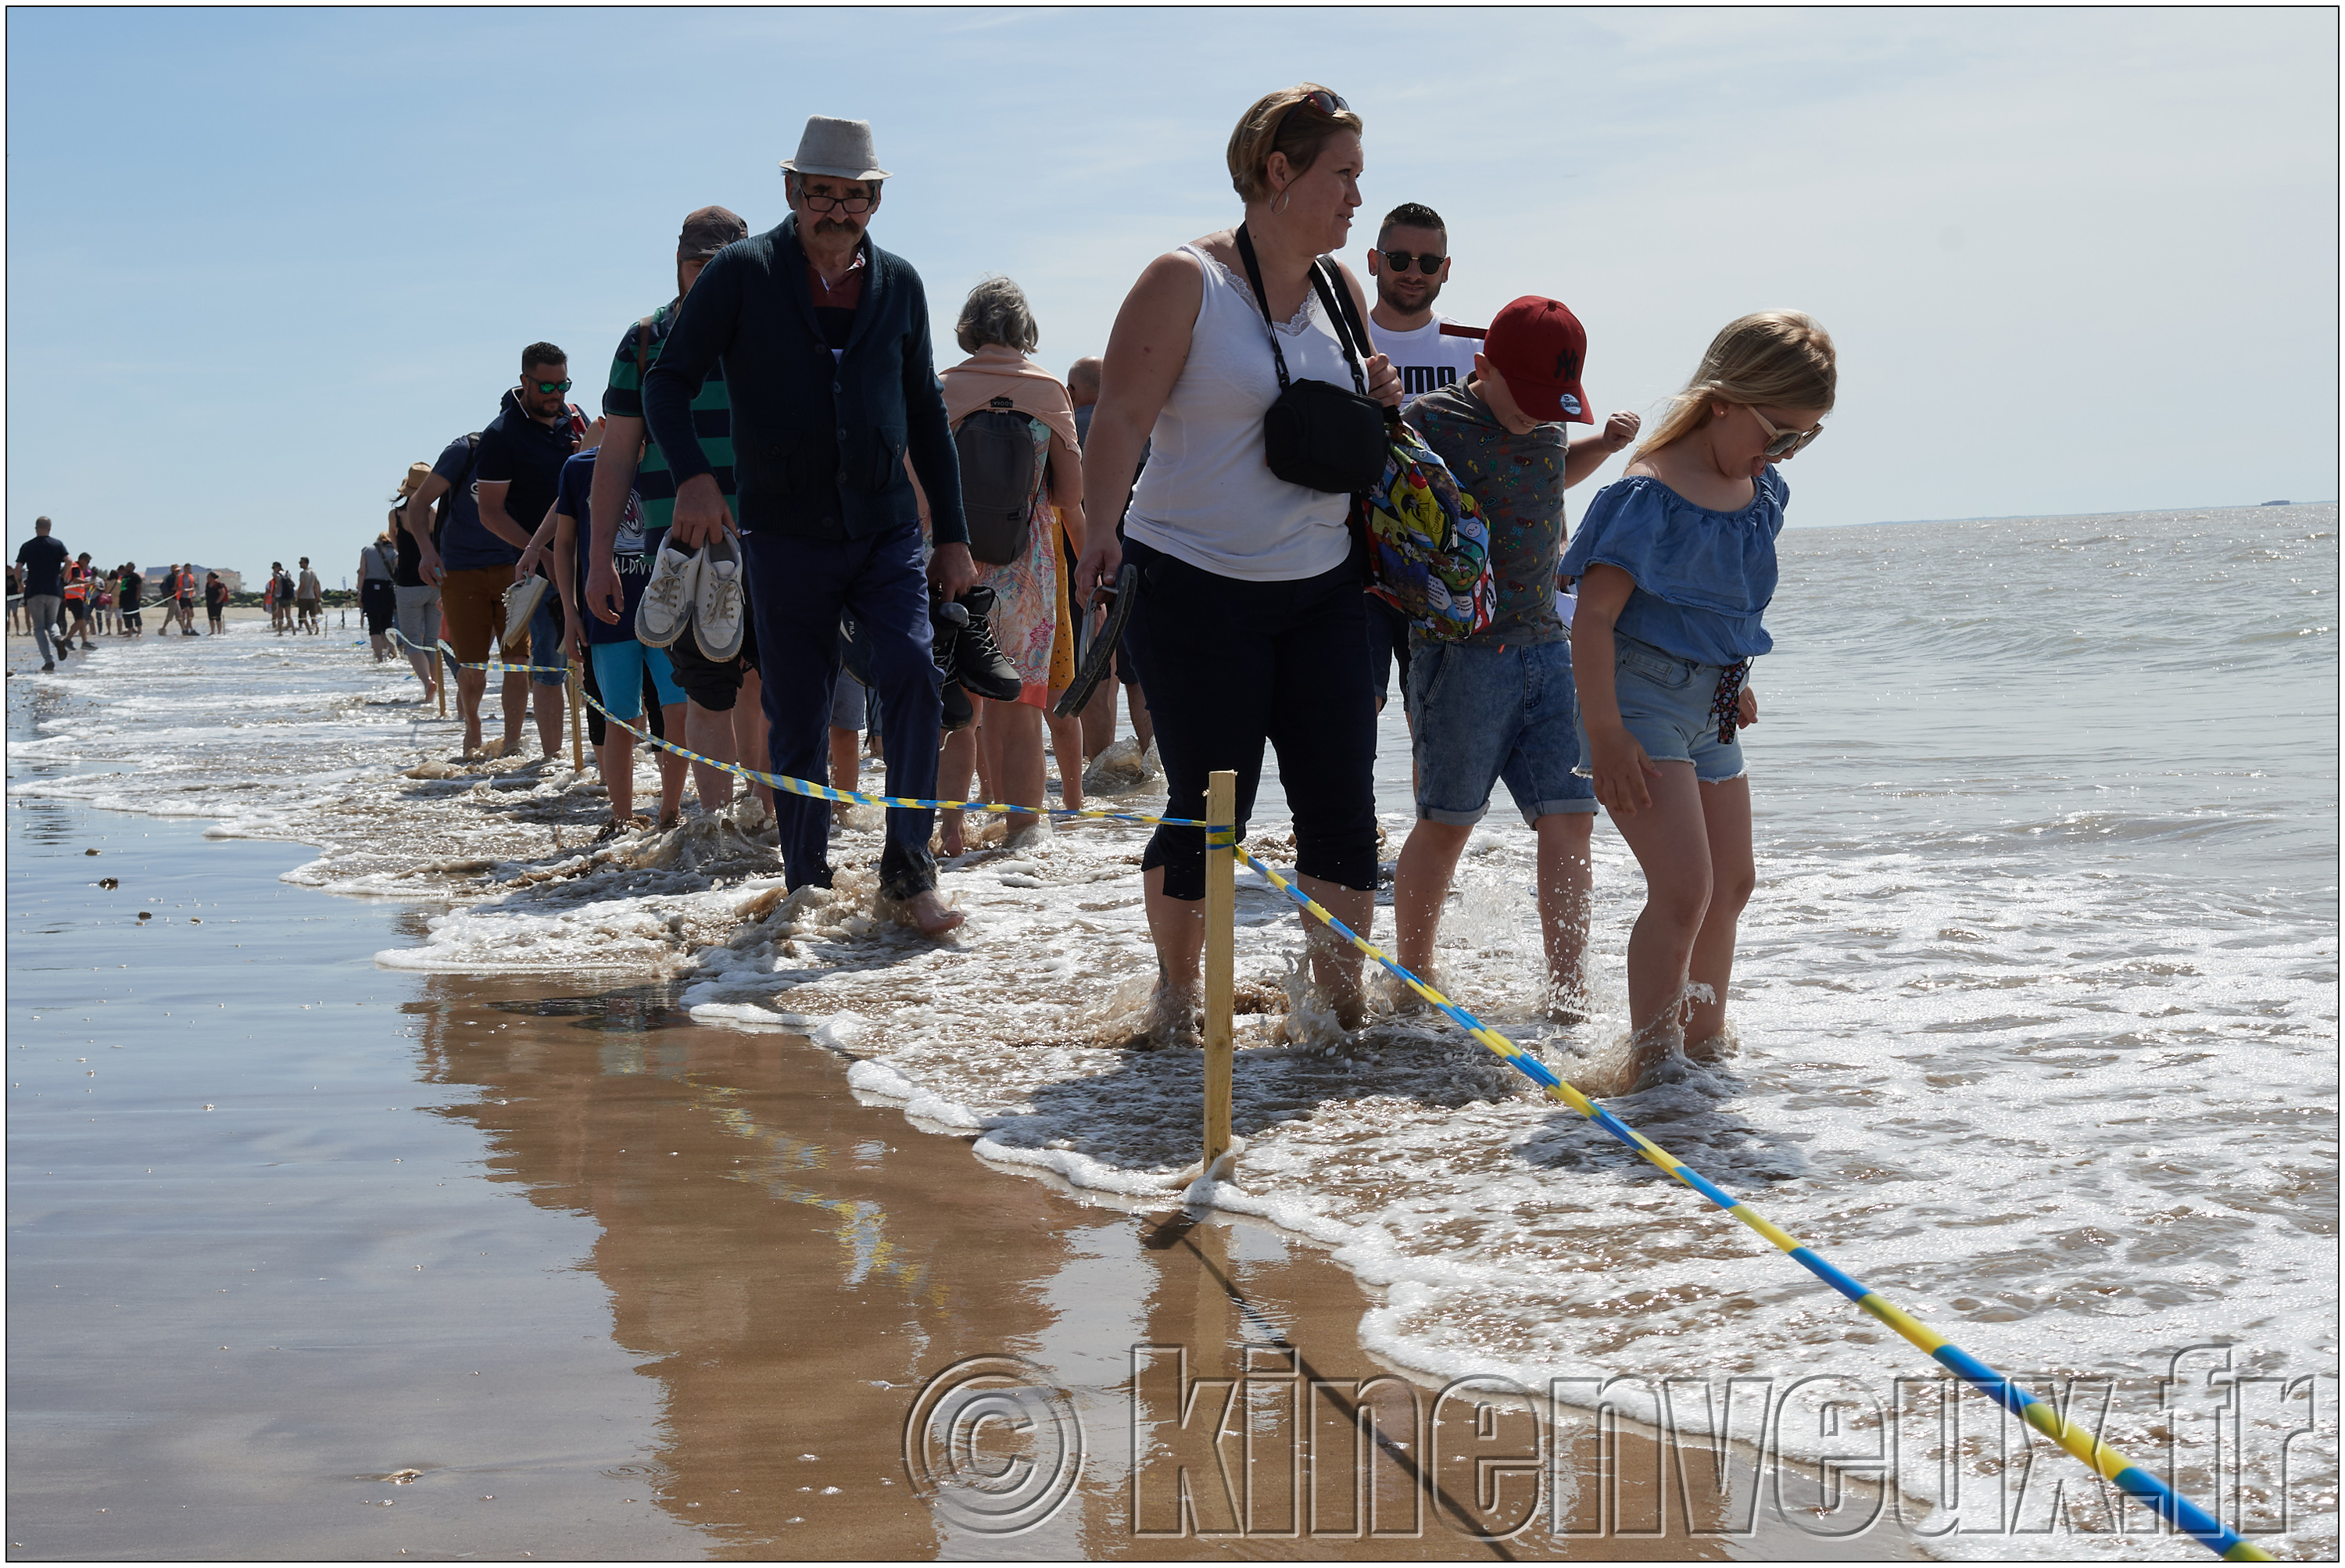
(1483, 714)
(1665, 704)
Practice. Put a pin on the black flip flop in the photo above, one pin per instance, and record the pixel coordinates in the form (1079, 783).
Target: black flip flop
(1101, 658)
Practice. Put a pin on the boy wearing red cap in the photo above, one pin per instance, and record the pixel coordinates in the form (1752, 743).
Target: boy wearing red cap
(1500, 704)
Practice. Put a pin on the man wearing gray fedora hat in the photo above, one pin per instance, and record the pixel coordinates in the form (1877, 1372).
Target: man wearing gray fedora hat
(825, 346)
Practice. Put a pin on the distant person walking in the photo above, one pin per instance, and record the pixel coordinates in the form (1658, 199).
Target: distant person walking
(41, 561)
(1249, 622)
(183, 600)
(379, 592)
(1676, 566)
(81, 584)
(308, 600)
(415, 525)
(276, 596)
(134, 587)
(825, 336)
(215, 603)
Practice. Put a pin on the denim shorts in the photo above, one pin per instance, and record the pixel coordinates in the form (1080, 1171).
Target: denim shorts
(1483, 714)
(847, 707)
(545, 643)
(1665, 704)
(619, 670)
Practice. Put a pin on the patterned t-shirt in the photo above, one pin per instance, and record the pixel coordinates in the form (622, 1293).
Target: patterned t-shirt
(712, 421)
(1517, 483)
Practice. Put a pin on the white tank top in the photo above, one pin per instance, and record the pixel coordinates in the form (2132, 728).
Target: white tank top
(1208, 496)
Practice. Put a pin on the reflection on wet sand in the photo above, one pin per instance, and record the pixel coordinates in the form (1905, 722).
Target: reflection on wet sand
(803, 1273)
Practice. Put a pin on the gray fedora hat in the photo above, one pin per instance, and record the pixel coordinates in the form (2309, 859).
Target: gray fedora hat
(840, 149)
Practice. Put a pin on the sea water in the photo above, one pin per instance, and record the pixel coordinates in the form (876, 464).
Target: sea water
(2037, 1003)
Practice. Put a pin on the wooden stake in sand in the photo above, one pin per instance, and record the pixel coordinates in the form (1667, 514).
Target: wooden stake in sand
(1221, 961)
(577, 723)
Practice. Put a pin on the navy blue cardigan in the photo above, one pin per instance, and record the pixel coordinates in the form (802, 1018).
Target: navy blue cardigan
(817, 448)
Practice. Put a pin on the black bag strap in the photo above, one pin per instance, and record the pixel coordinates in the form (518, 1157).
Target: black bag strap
(1349, 311)
(1337, 316)
(1261, 300)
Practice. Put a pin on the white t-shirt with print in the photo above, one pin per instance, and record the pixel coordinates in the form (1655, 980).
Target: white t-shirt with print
(1426, 358)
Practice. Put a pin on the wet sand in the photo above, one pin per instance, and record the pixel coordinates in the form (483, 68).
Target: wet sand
(313, 1259)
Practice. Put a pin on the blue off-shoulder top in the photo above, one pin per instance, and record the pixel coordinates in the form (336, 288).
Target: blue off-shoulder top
(1702, 577)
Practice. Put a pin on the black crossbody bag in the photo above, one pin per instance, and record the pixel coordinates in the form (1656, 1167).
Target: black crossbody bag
(1317, 435)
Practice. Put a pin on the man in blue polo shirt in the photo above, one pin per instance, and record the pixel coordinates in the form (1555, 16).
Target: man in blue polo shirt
(825, 342)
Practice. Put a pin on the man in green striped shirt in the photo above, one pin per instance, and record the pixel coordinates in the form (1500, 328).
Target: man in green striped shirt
(724, 716)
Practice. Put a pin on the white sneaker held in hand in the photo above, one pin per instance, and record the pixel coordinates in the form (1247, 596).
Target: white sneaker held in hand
(717, 606)
(667, 598)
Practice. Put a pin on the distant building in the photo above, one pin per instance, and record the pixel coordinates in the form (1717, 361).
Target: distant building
(234, 579)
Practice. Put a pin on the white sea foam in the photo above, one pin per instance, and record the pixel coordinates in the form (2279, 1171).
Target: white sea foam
(2036, 1002)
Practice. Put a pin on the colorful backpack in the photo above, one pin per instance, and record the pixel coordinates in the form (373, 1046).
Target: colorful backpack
(1428, 548)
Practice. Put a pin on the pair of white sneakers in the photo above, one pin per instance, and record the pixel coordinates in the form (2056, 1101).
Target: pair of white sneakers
(701, 589)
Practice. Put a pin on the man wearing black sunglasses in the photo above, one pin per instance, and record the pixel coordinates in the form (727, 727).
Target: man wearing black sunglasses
(518, 469)
(1410, 264)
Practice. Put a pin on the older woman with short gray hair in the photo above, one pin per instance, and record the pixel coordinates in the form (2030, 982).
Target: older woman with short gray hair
(1016, 428)
(996, 313)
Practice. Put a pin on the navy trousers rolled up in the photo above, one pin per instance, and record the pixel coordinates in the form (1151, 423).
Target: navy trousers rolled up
(797, 587)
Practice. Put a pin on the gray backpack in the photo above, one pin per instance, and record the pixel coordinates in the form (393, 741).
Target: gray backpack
(997, 481)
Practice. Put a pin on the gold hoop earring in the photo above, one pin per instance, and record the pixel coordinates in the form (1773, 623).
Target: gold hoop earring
(1279, 205)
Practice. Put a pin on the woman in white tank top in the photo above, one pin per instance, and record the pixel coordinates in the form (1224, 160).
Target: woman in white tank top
(1249, 626)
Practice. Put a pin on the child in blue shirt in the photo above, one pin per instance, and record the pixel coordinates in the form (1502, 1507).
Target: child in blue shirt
(621, 663)
(1676, 564)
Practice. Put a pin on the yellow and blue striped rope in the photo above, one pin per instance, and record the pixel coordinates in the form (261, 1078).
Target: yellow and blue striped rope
(500, 664)
(826, 792)
(2129, 1478)
(443, 647)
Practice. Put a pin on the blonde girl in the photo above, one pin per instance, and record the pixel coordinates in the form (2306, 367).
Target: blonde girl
(1676, 565)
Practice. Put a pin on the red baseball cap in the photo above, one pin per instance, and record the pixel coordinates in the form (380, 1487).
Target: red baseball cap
(1539, 346)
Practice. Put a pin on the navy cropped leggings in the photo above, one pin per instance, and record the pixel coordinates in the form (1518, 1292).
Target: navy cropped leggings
(1228, 663)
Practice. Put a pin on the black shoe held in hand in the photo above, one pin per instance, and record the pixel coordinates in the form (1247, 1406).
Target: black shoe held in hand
(980, 664)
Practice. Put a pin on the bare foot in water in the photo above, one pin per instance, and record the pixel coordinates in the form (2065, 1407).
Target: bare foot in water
(1717, 1048)
(928, 912)
(1173, 1022)
(950, 842)
(1633, 1063)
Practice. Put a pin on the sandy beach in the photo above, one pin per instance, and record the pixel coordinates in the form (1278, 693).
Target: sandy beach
(314, 1260)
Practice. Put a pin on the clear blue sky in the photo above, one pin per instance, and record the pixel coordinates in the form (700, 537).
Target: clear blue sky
(260, 261)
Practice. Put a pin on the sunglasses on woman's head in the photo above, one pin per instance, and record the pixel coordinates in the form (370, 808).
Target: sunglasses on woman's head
(1783, 442)
(549, 388)
(1327, 103)
(1427, 262)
